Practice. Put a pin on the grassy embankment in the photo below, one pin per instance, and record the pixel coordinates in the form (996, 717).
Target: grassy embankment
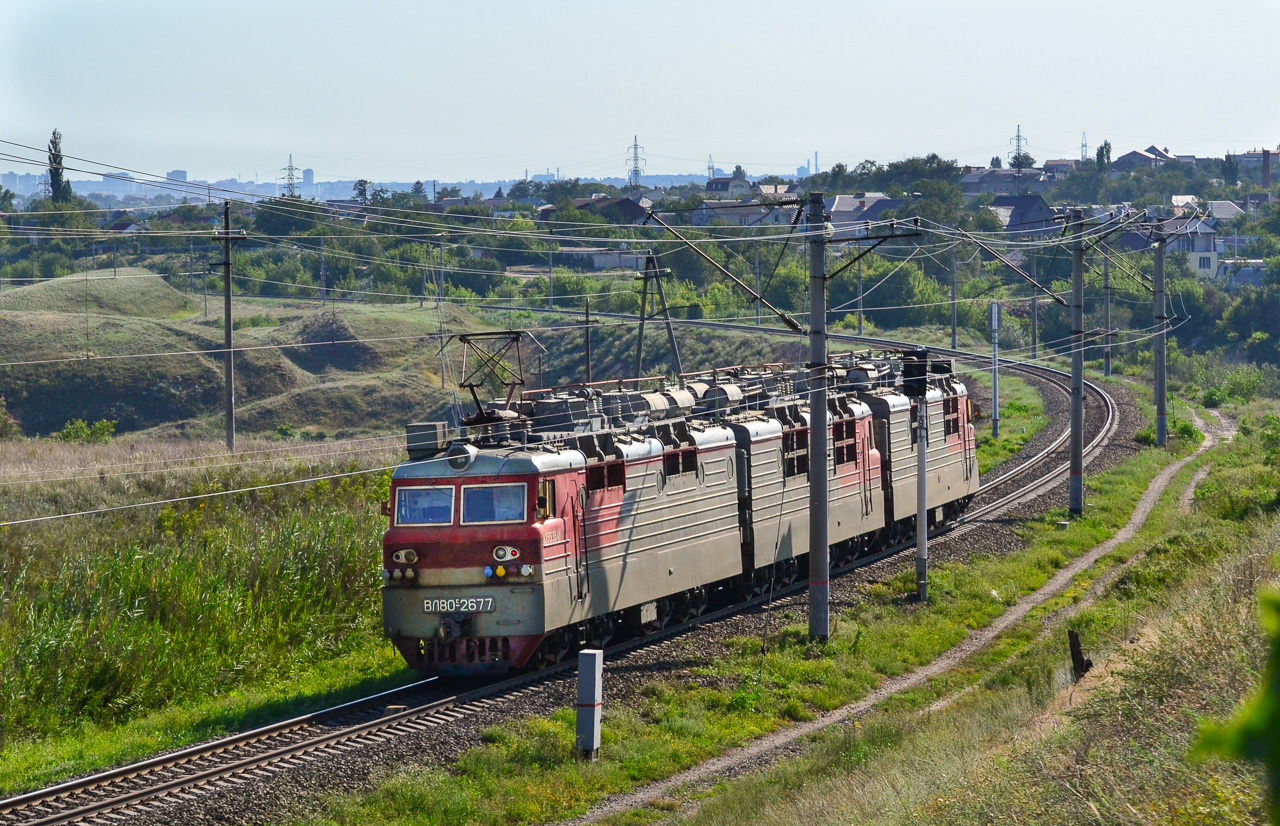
(527, 772)
(1177, 640)
(134, 631)
(108, 653)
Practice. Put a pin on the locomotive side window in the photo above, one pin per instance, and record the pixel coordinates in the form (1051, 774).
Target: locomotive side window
(425, 506)
(546, 499)
(483, 504)
(617, 475)
(595, 477)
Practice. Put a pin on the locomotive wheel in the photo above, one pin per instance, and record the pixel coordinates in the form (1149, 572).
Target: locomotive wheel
(786, 572)
(666, 611)
(549, 651)
(599, 632)
(694, 603)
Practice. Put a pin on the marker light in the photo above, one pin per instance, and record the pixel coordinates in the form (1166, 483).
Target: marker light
(526, 570)
(397, 573)
(488, 571)
(501, 571)
(408, 573)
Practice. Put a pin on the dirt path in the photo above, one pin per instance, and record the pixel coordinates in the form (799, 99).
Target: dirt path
(754, 752)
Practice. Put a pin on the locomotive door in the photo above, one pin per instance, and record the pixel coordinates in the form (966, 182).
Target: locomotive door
(581, 573)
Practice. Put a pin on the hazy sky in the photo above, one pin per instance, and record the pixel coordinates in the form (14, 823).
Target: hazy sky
(486, 90)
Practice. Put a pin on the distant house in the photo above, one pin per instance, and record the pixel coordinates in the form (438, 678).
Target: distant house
(982, 180)
(604, 258)
(124, 227)
(851, 214)
(1224, 210)
(720, 188)
(1061, 166)
(779, 191)
(1153, 157)
(743, 213)
(632, 211)
(1196, 236)
(1024, 214)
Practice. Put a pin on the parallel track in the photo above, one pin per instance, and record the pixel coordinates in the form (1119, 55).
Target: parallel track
(113, 796)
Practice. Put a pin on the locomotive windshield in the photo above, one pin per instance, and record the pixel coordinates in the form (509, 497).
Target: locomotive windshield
(425, 506)
(494, 503)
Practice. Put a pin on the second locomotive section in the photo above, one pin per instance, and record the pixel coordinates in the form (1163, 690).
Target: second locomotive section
(593, 514)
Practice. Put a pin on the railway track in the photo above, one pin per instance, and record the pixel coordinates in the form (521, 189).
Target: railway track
(120, 795)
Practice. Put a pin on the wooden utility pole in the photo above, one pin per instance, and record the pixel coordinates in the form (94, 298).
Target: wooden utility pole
(228, 359)
(819, 559)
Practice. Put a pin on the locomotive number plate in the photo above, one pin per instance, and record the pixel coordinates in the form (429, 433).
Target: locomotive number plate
(452, 605)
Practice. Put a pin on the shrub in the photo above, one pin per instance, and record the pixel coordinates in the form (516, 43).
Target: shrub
(9, 428)
(81, 432)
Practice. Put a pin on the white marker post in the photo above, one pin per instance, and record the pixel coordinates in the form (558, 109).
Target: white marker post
(590, 702)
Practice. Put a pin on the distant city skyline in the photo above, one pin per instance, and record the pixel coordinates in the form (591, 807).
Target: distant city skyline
(400, 90)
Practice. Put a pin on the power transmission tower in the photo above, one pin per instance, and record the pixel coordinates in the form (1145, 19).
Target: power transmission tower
(633, 177)
(1084, 146)
(1016, 160)
(711, 168)
(290, 179)
(652, 285)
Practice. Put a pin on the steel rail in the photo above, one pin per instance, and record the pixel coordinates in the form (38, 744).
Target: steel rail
(438, 711)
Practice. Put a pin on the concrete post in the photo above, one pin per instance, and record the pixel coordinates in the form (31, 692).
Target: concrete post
(922, 500)
(819, 559)
(590, 702)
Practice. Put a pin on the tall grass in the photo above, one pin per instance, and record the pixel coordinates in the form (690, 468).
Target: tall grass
(106, 617)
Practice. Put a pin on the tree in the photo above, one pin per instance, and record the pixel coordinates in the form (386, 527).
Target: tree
(361, 191)
(1104, 155)
(1230, 170)
(448, 192)
(6, 199)
(996, 163)
(288, 215)
(739, 172)
(1022, 160)
(59, 186)
(498, 193)
(418, 191)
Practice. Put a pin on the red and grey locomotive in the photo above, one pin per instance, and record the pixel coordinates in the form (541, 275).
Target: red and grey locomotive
(571, 515)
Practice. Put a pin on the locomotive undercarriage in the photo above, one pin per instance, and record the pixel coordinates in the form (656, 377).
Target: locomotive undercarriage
(628, 623)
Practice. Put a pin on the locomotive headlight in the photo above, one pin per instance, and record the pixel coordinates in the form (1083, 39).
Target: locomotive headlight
(502, 553)
(460, 456)
(405, 556)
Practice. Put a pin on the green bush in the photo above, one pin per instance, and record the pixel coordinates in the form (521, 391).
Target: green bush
(9, 428)
(81, 432)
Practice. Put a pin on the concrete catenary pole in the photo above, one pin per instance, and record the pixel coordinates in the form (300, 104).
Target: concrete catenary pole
(953, 298)
(1035, 311)
(1106, 315)
(586, 328)
(995, 369)
(1075, 496)
(922, 499)
(819, 562)
(859, 291)
(228, 358)
(1162, 396)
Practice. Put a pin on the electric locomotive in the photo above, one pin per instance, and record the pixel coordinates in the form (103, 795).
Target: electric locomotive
(571, 515)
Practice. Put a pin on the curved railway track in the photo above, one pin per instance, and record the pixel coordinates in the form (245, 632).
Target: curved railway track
(181, 777)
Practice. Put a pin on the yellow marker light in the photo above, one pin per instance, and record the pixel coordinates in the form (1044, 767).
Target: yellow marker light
(500, 571)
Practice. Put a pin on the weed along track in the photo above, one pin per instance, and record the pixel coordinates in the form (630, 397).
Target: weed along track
(250, 776)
